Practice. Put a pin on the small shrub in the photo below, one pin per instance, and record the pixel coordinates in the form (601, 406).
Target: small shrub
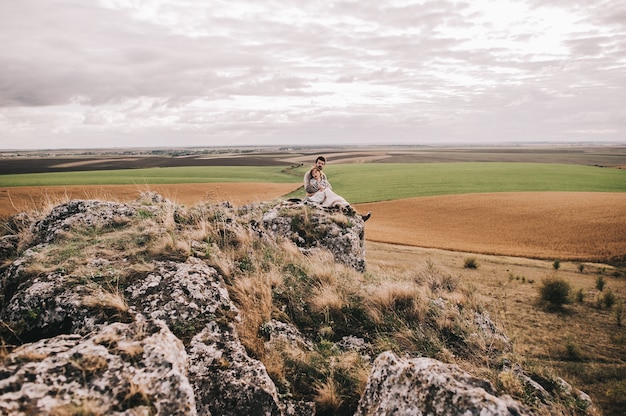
(519, 278)
(470, 263)
(144, 214)
(572, 350)
(581, 268)
(555, 291)
(556, 264)
(580, 296)
(600, 282)
(608, 299)
(437, 279)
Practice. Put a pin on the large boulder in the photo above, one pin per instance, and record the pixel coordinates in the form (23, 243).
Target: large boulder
(424, 386)
(186, 295)
(52, 303)
(230, 383)
(81, 213)
(311, 227)
(121, 369)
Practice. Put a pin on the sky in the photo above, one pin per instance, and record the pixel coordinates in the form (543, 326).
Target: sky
(172, 73)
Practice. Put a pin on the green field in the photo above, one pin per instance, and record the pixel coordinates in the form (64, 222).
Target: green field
(366, 182)
(361, 183)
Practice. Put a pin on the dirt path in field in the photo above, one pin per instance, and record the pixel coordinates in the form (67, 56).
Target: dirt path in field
(547, 225)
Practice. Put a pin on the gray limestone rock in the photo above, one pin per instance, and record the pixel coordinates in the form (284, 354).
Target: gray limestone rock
(121, 369)
(424, 386)
(310, 227)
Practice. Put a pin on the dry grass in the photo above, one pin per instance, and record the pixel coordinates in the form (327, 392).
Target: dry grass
(136, 396)
(101, 299)
(582, 343)
(254, 297)
(28, 355)
(326, 299)
(84, 408)
(328, 396)
(130, 348)
(389, 296)
(90, 364)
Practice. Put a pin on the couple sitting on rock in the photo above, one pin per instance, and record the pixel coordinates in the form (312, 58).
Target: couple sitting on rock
(319, 190)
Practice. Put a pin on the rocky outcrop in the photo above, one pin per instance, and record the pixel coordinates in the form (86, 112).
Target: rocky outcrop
(423, 386)
(119, 330)
(165, 345)
(310, 226)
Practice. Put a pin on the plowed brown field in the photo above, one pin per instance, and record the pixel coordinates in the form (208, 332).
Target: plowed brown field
(587, 226)
(547, 225)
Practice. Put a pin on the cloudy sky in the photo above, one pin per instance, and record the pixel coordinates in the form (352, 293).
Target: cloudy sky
(119, 73)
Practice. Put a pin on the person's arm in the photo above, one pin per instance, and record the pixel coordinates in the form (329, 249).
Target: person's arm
(314, 186)
(307, 184)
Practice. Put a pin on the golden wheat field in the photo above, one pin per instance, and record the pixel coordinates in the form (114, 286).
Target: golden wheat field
(550, 225)
(556, 225)
(25, 198)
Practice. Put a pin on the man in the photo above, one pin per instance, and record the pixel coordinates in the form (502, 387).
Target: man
(319, 163)
(310, 190)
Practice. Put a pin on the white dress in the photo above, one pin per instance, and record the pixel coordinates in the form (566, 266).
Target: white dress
(325, 197)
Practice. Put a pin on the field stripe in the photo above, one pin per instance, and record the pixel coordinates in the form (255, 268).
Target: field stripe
(27, 198)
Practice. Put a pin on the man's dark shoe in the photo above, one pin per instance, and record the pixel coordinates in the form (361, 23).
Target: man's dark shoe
(366, 216)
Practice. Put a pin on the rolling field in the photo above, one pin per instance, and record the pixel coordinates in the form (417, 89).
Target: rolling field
(586, 226)
(519, 208)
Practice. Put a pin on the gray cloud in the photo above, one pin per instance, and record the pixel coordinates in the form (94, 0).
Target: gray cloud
(241, 72)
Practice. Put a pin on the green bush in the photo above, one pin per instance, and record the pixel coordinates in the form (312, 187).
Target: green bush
(600, 282)
(556, 264)
(470, 263)
(572, 350)
(608, 299)
(580, 295)
(555, 291)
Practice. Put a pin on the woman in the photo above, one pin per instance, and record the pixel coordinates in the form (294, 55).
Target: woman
(324, 196)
